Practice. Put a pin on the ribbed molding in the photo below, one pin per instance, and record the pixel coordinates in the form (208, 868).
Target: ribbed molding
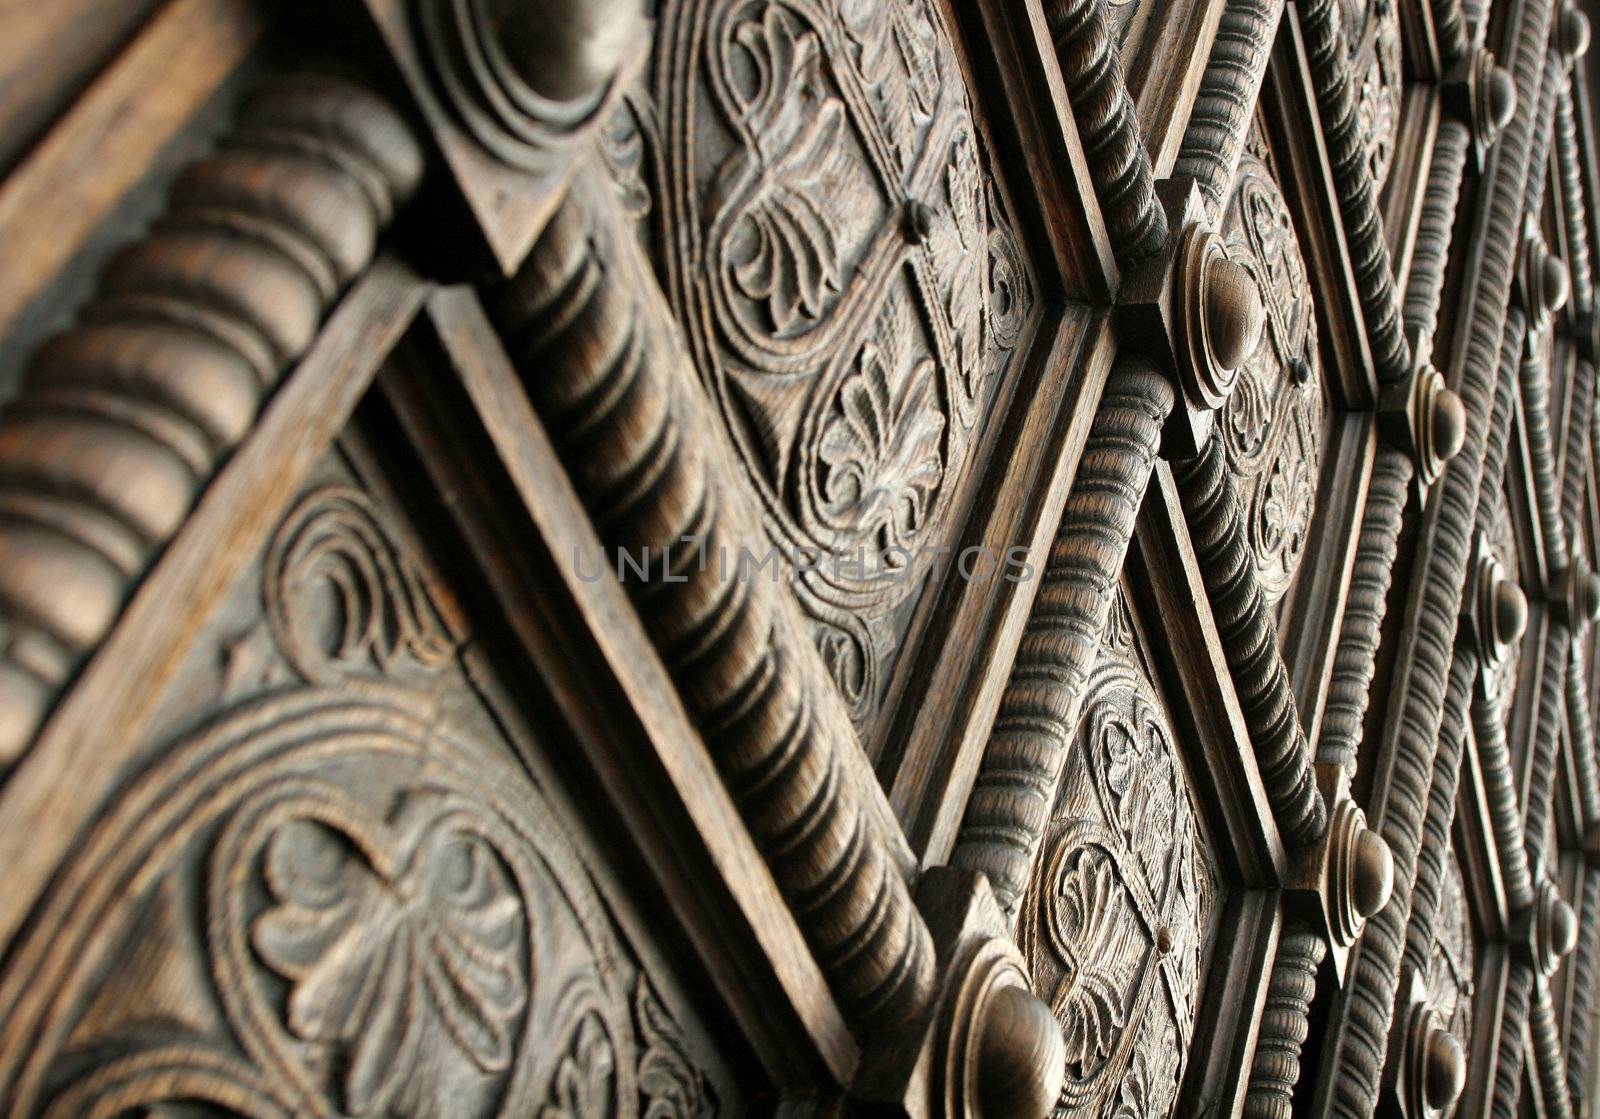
(1118, 161)
(1220, 119)
(1441, 813)
(1547, 1059)
(603, 364)
(1250, 642)
(1349, 1073)
(1275, 1068)
(1547, 742)
(123, 419)
(1432, 251)
(1021, 768)
(1584, 993)
(1505, 1093)
(1569, 164)
(1322, 25)
(1350, 689)
(1505, 814)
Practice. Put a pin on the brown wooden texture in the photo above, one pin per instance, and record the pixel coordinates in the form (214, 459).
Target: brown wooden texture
(917, 558)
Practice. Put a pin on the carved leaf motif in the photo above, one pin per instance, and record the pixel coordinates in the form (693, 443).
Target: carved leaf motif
(381, 610)
(1086, 917)
(671, 1083)
(787, 251)
(584, 1084)
(899, 63)
(1271, 425)
(881, 453)
(395, 950)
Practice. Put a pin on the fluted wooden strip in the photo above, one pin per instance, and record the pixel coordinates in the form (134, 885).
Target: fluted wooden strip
(1428, 881)
(1547, 741)
(1549, 1064)
(1428, 886)
(1580, 733)
(122, 419)
(1322, 24)
(1547, 501)
(1505, 1093)
(1428, 259)
(1350, 1070)
(1583, 993)
(1021, 768)
(1220, 119)
(1275, 1068)
(1250, 642)
(1505, 812)
(604, 367)
(1109, 127)
(1575, 457)
(1569, 164)
(1350, 688)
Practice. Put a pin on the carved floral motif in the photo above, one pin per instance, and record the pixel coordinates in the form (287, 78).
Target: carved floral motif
(849, 283)
(1382, 82)
(1272, 424)
(344, 895)
(1116, 914)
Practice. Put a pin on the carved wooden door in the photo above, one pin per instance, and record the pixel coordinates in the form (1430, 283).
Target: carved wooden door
(706, 557)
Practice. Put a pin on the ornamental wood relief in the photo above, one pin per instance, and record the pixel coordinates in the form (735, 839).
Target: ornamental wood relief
(346, 782)
(844, 268)
(338, 888)
(1273, 423)
(1116, 917)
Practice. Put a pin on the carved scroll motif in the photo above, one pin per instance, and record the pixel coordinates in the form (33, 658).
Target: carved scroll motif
(122, 419)
(1115, 915)
(1382, 80)
(1271, 425)
(340, 895)
(846, 275)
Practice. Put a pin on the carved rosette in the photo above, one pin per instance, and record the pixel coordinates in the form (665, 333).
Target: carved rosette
(338, 895)
(1271, 425)
(849, 284)
(1115, 916)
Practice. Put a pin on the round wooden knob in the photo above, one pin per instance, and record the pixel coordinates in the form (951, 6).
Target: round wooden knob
(1589, 597)
(1449, 425)
(1372, 880)
(1234, 313)
(1554, 286)
(1022, 1059)
(1563, 929)
(1572, 33)
(1510, 612)
(564, 49)
(1500, 97)
(1444, 1072)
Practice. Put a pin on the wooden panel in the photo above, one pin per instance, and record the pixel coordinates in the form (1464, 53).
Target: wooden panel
(48, 52)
